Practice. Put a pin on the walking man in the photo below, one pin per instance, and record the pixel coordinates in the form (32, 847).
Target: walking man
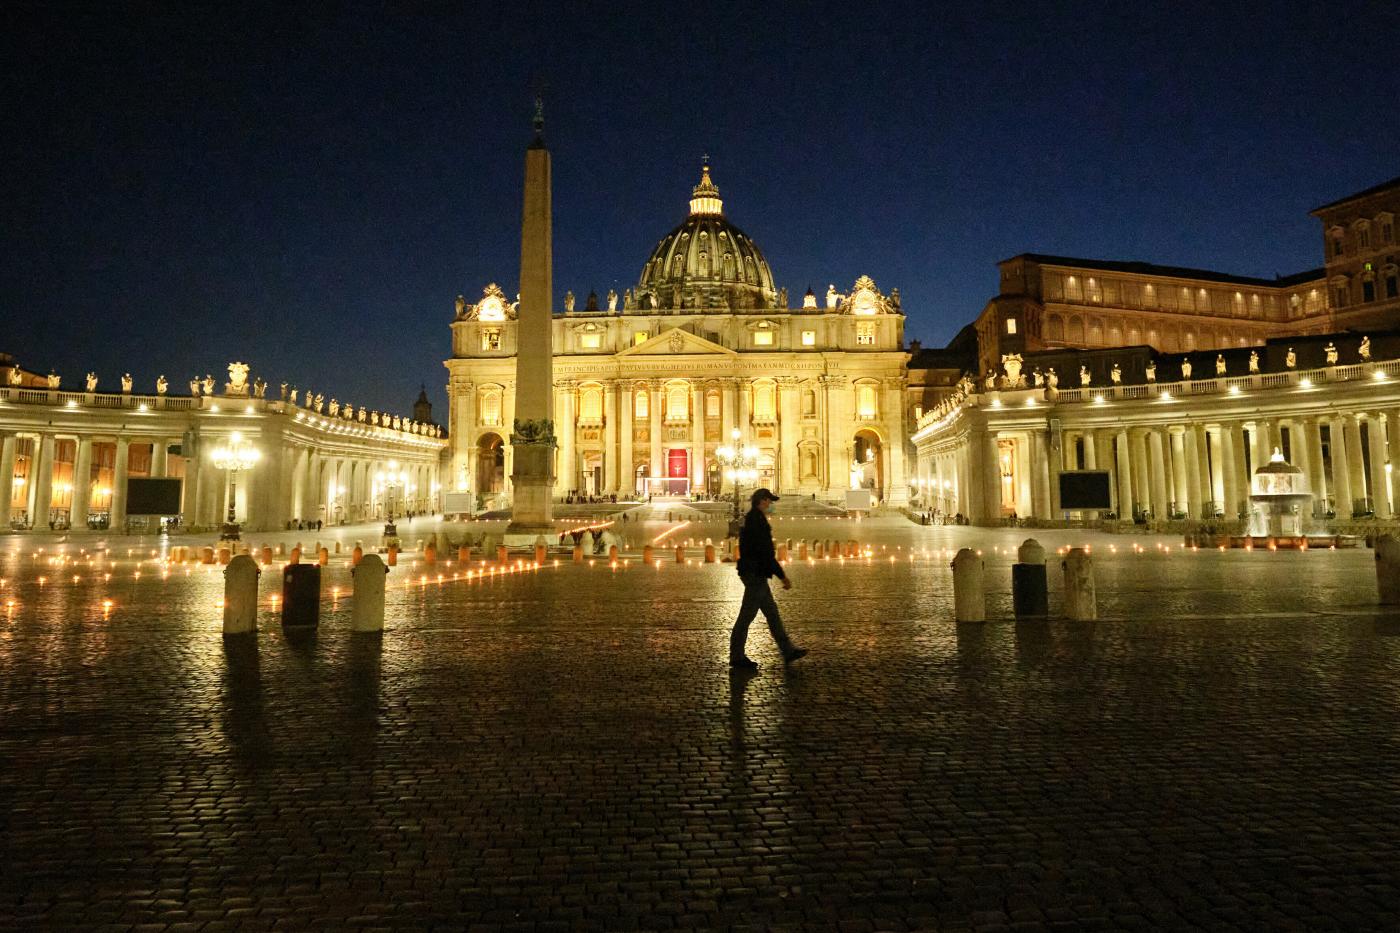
(757, 563)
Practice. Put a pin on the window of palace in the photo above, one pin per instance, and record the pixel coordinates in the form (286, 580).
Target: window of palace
(1392, 283)
(867, 402)
(1339, 296)
(590, 341)
(591, 405)
(1337, 243)
(763, 338)
(809, 403)
(639, 338)
(1011, 325)
(865, 334)
(490, 401)
(1387, 232)
(1363, 235)
(809, 338)
(765, 401)
(1092, 290)
(677, 402)
(639, 404)
(491, 338)
(712, 405)
(1368, 289)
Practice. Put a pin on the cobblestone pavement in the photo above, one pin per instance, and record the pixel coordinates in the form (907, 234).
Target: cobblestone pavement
(565, 749)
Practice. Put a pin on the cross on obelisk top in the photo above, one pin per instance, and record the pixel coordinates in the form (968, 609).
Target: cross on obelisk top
(540, 87)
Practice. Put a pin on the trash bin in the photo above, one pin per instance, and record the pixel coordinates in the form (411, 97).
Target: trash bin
(301, 595)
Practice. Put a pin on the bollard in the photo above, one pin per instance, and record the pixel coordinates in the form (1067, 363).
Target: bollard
(464, 555)
(419, 546)
(802, 549)
(392, 558)
(680, 554)
(225, 555)
(1388, 569)
(647, 553)
(317, 549)
(266, 556)
(612, 553)
(501, 554)
(782, 553)
(323, 556)
(367, 607)
(709, 553)
(969, 594)
(337, 545)
(295, 556)
(301, 595)
(541, 551)
(430, 554)
(1081, 603)
(578, 553)
(1029, 592)
(356, 556)
(241, 596)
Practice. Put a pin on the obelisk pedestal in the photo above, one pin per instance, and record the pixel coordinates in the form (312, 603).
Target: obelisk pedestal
(532, 437)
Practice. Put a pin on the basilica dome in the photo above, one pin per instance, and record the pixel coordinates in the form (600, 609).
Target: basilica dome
(706, 262)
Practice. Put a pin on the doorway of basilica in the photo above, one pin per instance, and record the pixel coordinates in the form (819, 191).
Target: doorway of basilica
(490, 464)
(868, 466)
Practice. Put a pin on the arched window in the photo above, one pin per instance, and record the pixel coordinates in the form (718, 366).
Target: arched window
(677, 402)
(1076, 331)
(1055, 328)
(591, 405)
(765, 401)
(639, 404)
(489, 400)
(867, 402)
(729, 266)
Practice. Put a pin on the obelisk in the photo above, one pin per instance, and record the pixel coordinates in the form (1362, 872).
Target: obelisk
(532, 435)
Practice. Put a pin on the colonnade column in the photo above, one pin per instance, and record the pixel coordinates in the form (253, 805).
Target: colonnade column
(1355, 461)
(1316, 468)
(1137, 448)
(1239, 472)
(7, 478)
(1160, 509)
(42, 478)
(1375, 440)
(160, 457)
(1054, 458)
(566, 476)
(1181, 493)
(82, 484)
(1341, 473)
(609, 438)
(1125, 477)
(1039, 473)
(1184, 445)
(119, 474)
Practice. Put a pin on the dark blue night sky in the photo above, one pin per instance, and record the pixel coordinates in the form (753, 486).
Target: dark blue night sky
(309, 192)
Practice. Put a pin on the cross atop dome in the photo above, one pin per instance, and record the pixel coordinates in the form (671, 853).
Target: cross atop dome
(704, 197)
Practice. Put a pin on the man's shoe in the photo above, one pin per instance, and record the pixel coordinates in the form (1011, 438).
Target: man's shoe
(743, 664)
(793, 654)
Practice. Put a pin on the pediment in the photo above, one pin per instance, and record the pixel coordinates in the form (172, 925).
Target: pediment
(677, 342)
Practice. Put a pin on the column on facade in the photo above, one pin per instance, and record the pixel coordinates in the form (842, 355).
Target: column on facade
(567, 478)
(744, 390)
(1311, 429)
(626, 423)
(464, 464)
(7, 478)
(1122, 456)
(610, 440)
(1264, 442)
(508, 406)
(82, 483)
(1392, 433)
(1054, 459)
(1217, 441)
(789, 432)
(1340, 475)
(1376, 446)
(1240, 467)
(1199, 447)
(1182, 493)
(654, 406)
(697, 435)
(1090, 459)
(43, 481)
(837, 396)
(1356, 464)
(892, 413)
(119, 474)
(1038, 471)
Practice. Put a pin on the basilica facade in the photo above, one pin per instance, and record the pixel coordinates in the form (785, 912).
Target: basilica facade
(655, 389)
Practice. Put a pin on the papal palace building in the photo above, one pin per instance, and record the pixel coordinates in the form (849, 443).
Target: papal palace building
(1178, 382)
(651, 386)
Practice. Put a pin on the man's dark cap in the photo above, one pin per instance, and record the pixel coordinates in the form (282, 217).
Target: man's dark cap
(760, 494)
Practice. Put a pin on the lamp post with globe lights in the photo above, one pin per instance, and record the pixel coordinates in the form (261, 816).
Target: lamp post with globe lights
(234, 456)
(740, 466)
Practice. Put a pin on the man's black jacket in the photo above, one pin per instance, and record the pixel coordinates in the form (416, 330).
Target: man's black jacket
(756, 557)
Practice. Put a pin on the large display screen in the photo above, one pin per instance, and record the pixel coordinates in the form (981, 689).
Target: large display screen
(1085, 489)
(152, 496)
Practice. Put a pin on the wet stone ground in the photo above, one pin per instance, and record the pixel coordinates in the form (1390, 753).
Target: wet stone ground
(565, 749)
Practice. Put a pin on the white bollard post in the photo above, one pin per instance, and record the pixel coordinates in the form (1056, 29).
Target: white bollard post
(367, 606)
(1029, 592)
(1081, 603)
(969, 591)
(1388, 569)
(241, 595)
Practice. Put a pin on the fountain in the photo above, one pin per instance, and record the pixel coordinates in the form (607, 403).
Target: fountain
(1279, 499)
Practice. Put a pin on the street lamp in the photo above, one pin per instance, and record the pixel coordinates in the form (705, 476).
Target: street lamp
(234, 456)
(740, 466)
